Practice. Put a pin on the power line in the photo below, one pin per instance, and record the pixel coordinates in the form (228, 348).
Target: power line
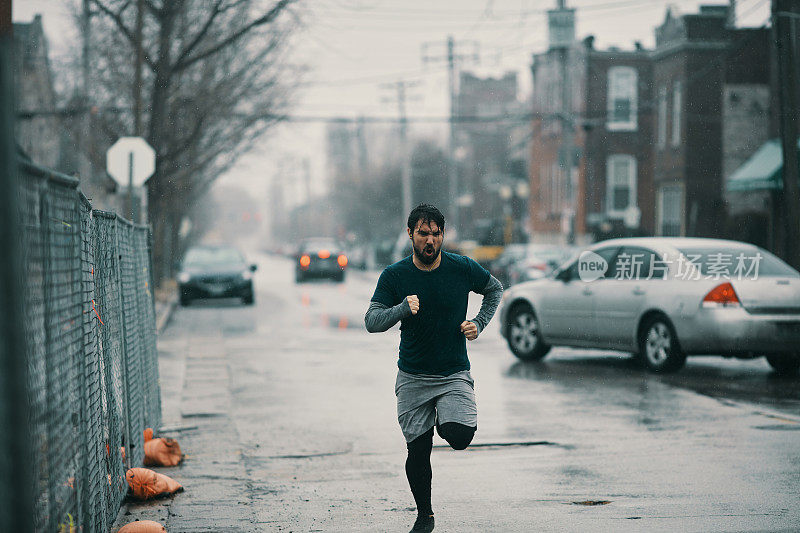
(394, 14)
(508, 118)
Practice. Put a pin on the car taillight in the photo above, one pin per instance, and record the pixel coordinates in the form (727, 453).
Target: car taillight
(538, 266)
(324, 254)
(721, 296)
(305, 261)
(342, 260)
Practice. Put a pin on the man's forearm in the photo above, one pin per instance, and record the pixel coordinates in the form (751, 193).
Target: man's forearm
(492, 294)
(381, 317)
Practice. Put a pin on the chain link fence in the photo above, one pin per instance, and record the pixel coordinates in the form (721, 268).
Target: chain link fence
(91, 360)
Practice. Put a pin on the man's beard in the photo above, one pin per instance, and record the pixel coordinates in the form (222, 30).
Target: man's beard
(426, 259)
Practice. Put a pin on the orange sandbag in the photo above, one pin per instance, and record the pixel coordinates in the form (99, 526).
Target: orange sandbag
(146, 484)
(143, 526)
(161, 451)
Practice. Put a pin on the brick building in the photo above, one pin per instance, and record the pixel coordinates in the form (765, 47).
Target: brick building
(37, 128)
(649, 135)
(591, 160)
(49, 137)
(712, 99)
(754, 184)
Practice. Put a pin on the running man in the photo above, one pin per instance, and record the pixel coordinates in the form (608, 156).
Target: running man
(428, 292)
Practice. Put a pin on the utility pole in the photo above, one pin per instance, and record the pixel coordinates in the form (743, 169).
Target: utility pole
(452, 58)
(567, 144)
(361, 146)
(307, 179)
(400, 87)
(137, 215)
(561, 26)
(137, 82)
(84, 128)
(784, 27)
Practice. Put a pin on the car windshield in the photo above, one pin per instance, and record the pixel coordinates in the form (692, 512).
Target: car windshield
(213, 257)
(735, 262)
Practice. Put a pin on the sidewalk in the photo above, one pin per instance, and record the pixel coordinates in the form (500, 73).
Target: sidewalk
(195, 404)
(221, 478)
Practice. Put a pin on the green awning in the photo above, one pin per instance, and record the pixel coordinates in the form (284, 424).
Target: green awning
(763, 171)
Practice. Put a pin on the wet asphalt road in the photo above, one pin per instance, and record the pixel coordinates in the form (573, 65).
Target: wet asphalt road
(292, 426)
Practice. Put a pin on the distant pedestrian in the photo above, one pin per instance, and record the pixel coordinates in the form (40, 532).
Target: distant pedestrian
(428, 293)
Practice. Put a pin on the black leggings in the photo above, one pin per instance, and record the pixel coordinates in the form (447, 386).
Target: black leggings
(418, 462)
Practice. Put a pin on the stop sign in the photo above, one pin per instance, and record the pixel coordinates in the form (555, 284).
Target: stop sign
(131, 158)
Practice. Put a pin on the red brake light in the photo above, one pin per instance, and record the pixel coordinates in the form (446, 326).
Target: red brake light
(342, 260)
(324, 254)
(721, 296)
(305, 261)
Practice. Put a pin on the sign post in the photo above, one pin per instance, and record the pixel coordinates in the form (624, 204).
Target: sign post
(130, 161)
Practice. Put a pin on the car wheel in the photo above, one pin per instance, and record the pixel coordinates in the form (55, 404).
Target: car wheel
(184, 300)
(659, 349)
(299, 278)
(787, 364)
(524, 336)
(248, 298)
(340, 277)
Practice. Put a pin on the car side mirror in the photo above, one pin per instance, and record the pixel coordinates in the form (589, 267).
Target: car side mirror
(253, 267)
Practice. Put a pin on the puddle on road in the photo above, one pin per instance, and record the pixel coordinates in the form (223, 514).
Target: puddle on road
(489, 445)
(309, 455)
(203, 414)
(779, 427)
(592, 502)
(344, 322)
(338, 322)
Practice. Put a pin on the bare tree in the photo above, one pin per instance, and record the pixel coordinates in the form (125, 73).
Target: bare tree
(214, 79)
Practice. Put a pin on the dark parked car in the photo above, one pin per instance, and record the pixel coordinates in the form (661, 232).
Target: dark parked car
(215, 272)
(536, 261)
(320, 258)
(500, 266)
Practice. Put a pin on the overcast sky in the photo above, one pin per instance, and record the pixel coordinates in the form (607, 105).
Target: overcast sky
(353, 46)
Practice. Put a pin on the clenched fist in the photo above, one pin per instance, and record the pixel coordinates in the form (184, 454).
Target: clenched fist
(413, 303)
(470, 330)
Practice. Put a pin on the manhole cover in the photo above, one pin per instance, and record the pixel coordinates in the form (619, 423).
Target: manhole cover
(592, 502)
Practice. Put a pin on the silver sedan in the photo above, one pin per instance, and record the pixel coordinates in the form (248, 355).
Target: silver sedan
(663, 299)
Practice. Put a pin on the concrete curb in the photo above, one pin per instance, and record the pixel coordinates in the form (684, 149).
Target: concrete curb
(163, 315)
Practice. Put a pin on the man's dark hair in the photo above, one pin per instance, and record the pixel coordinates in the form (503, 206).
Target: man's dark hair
(427, 214)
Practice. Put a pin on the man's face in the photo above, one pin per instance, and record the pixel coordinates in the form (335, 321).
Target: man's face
(426, 240)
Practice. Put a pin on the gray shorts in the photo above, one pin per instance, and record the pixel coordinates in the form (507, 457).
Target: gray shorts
(423, 401)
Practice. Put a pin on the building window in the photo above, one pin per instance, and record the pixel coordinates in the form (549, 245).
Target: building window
(661, 133)
(622, 99)
(669, 219)
(620, 184)
(677, 99)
